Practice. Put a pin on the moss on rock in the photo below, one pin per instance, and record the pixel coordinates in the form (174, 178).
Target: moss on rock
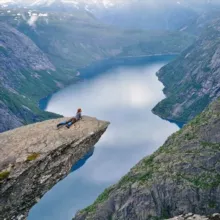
(33, 156)
(4, 175)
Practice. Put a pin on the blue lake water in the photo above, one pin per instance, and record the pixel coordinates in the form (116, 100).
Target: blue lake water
(124, 93)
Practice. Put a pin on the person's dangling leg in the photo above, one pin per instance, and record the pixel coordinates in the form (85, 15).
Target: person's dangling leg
(69, 124)
(61, 124)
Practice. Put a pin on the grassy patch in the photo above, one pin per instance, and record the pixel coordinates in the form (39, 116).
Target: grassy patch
(4, 175)
(103, 197)
(146, 176)
(33, 156)
(204, 181)
(149, 160)
(190, 136)
(214, 146)
(126, 179)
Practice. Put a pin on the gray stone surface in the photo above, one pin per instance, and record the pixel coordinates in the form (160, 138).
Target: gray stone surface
(191, 216)
(183, 176)
(36, 157)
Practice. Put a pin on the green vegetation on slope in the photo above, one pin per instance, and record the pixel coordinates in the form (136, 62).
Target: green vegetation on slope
(24, 107)
(192, 80)
(182, 176)
(31, 87)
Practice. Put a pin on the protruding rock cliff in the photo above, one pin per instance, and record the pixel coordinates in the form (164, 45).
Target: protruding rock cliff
(35, 157)
(182, 176)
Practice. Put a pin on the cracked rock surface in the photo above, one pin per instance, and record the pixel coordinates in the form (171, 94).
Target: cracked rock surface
(34, 158)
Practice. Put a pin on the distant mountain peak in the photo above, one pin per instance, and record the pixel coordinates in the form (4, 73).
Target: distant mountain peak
(5, 3)
(74, 3)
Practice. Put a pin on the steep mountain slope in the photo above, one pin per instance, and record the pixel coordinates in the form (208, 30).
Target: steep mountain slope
(23, 69)
(76, 39)
(168, 15)
(199, 24)
(192, 81)
(160, 14)
(182, 176)
(153, 16)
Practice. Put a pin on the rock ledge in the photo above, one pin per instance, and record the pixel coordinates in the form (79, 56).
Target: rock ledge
(35, 157)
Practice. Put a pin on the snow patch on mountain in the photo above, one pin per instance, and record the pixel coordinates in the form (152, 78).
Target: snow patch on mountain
(7, 2)
(43, 2)
(74, 3)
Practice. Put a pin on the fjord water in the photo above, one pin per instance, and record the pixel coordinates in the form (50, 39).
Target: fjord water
(123, 93)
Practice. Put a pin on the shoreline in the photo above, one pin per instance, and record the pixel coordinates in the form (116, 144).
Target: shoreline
(155, 55)
(42, 103)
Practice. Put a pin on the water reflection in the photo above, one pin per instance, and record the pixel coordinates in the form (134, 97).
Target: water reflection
(125, 97)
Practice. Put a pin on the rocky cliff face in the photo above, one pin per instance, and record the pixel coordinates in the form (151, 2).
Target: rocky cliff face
(191, 216)
(182, 176)
(192, 81)
(9, 119)
(35, 157)
(19, 50)
(24, 68)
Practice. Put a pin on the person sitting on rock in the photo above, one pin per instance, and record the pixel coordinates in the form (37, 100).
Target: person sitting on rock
(72, 120)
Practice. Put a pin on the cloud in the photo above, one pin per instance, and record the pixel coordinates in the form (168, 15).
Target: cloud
(33, 19)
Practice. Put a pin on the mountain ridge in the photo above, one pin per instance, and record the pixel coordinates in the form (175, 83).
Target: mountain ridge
(166, 15)
(194, 76)
(181, 177)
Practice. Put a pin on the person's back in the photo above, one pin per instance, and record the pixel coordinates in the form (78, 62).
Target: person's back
(78, 115)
